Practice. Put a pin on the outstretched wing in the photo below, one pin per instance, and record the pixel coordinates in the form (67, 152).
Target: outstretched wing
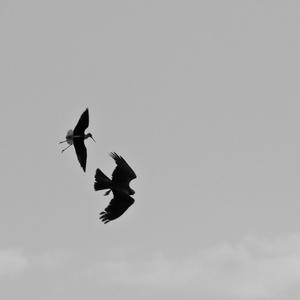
(122, 174)
(80, 150)
(116, 207)
(82, 124)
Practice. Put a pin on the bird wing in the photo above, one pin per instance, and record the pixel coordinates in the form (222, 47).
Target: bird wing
(116, 207)
(82, 124)
(80, 150)
(122, 174)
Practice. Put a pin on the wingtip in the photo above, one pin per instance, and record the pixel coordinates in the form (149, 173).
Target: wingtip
(114, 155)
(104, 217)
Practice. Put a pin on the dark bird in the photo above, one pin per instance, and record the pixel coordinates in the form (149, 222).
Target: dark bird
(77, 136)
(119, 185)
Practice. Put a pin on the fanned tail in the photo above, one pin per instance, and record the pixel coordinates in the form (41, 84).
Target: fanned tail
(102, 182)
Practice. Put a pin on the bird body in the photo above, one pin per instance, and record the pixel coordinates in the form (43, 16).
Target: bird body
(77, 136)
(69, 137)
(103, 183)
(119, 185)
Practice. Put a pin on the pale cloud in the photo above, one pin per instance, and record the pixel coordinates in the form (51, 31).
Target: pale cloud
(12, 261)
(156, 271)
(254, 268)
(251, 269)
(54, 259)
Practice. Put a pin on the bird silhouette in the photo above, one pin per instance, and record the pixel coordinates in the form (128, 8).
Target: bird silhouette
(119, 185)
(77, 136)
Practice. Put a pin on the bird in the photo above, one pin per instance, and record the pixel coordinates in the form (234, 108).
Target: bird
(77, 136)
(119, 185)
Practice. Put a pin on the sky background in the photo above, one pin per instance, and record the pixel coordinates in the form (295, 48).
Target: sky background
(202, 100)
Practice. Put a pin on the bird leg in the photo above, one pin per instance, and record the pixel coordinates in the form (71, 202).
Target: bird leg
(62, 142)
(65, 148)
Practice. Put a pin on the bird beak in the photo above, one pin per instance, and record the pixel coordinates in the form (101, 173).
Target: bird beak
(93, 139)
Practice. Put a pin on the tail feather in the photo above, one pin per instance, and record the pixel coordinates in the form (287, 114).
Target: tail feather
(102, 182)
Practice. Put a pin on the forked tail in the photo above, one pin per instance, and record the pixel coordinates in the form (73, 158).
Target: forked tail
(102, 182)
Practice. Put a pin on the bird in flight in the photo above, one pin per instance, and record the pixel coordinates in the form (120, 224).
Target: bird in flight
(77, 136)
(119, 185)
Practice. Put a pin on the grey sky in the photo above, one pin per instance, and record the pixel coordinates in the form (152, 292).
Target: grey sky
(202, 100)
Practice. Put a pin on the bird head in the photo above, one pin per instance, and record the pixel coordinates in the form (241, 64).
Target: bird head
(90, 135)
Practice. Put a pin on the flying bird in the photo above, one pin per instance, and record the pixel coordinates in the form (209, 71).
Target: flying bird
(119, 185)
(77, 136)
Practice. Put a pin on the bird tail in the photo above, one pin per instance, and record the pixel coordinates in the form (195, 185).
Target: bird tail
(102, 182)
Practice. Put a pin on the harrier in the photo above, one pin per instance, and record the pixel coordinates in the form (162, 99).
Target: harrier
(119, 185)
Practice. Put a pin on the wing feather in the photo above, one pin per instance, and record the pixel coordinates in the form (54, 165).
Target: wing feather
(116, 207)
(82, 124)
(123, 173)
(81, 152)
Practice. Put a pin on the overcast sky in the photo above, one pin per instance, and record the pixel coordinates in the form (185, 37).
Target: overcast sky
(202, 99)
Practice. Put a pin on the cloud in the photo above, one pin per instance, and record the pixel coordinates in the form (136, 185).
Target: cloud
(253, 268)
(12, 261)
(54, 259)
(155, 271)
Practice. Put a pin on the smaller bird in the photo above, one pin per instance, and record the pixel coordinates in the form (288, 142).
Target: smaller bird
(77, 136)
(119, 185)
